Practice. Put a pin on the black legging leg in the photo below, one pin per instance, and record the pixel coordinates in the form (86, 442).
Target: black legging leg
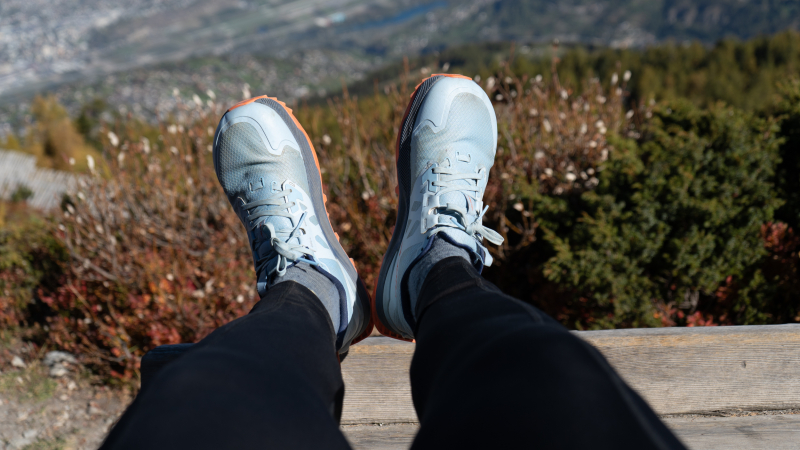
(270, 379)
(492, 372)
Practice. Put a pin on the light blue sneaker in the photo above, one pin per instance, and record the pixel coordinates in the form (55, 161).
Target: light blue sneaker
(268, 169)
(445, 149)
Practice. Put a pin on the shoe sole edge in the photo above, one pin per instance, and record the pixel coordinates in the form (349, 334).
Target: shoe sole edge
(319, 200)
(403, 139)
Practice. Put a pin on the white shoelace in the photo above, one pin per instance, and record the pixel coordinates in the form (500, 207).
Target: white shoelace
(476, 229)
(279, 239)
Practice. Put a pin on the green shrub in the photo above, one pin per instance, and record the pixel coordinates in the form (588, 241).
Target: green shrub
(31, 258)
(788, 173)
(673, 217)
(21, 194)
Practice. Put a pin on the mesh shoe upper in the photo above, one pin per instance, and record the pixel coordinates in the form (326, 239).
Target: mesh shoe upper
(263, 161)
(452, 148)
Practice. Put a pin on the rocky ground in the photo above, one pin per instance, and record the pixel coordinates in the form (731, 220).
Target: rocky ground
(50, 404)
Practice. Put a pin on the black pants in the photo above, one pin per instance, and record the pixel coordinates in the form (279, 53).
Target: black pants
(489, 372)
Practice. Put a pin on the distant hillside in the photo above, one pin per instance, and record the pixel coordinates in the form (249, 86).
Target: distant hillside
(627, 23)
(94, 38)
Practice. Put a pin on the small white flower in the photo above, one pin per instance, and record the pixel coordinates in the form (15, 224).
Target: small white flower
(175, 92)
(490, 82)
(599, 124)
(614, 79)
(627, 75)
(498, 97)
(519, 206)
(570, 176)
(172, 129)
(90, 162)
(246, 91)
(72, 161)
(211, 94)
(600, 99)
(629, 114)
(533, 112)
(121, 158)
(538, 155)
(112, 137)
(477, 78)
(564, 94)
(146, 145)
(196, 100)
(538, 78)
(548, 171)
(240, 298)
(546, 124)
(174, 150)
(584, 128)
(326, 139)
(604, 155)
(602, 130)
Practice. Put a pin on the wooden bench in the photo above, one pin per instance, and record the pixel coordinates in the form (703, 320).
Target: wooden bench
(716, 387)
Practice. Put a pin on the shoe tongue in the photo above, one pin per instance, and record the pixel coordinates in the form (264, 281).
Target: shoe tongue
(458, 198)
(279, 222)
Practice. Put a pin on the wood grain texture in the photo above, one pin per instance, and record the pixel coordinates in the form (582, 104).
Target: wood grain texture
(738, 433)
(377, 386)
(685, 370)
(398, 436)
(699, 433)
(677, 370)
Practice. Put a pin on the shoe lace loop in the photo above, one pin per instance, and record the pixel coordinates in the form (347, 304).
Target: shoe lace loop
(279, 238)
(447, 181)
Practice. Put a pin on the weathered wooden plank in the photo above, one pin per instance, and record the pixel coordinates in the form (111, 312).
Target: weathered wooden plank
(738, 433)
(398, 436)
(685, 370)
(677, 370)
(780, 432)
(377, 385)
